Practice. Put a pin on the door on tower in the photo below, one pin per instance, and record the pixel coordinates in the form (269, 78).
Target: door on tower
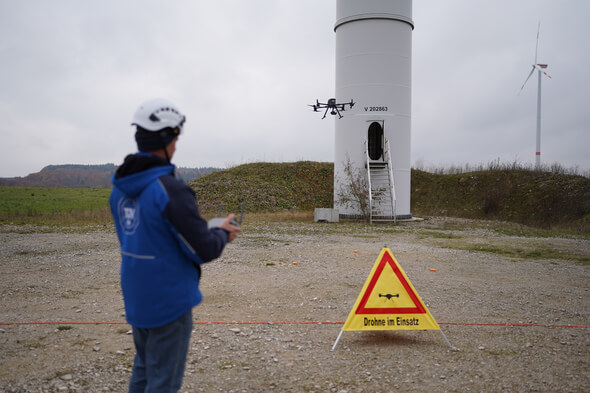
(375, 140)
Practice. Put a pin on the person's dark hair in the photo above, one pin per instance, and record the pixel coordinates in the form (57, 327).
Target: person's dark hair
(154, 140)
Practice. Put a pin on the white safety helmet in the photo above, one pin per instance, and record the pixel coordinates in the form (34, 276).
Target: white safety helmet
(157, 114)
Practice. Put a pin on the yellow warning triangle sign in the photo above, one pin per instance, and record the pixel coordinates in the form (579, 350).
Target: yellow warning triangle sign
(388, 301)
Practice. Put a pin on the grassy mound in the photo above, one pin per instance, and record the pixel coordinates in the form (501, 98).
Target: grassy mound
(527, 197)
(267, 187)
(534, 198)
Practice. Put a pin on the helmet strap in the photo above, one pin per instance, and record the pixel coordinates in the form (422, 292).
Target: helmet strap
(162, 135)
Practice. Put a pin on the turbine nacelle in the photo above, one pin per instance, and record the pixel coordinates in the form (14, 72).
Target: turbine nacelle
(538, 67)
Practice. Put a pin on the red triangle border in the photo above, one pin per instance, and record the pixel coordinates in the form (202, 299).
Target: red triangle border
(388, 259)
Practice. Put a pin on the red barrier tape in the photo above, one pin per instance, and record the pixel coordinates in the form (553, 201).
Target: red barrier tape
(300, 323)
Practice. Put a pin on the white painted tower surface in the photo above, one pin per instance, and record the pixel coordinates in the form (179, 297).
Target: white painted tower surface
(374, 68)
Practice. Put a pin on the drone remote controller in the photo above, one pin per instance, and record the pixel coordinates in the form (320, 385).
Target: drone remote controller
(216, 222)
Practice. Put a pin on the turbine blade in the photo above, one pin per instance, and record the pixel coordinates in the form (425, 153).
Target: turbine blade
(537, 45)
(527, 78)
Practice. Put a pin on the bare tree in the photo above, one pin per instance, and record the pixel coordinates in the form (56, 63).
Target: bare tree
(353, 190)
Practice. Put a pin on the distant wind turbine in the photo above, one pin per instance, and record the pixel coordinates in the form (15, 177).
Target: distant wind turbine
(541, 70)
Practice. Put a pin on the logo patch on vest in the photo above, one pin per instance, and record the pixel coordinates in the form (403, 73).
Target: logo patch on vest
(128, 210)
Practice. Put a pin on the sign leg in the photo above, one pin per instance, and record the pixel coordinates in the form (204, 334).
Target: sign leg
(337, 339)
(447, 341)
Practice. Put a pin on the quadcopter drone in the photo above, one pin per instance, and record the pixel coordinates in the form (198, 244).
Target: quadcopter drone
(335, 107)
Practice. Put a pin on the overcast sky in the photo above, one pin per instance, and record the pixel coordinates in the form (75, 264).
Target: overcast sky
(73, 72)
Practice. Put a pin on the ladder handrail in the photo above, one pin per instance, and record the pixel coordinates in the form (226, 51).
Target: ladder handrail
(391, 182)
(369, 182)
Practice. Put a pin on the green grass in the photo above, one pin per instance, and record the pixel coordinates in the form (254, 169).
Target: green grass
(539, 199)
(537, 204)
(71, 294)
(512, 194)
(54, 205)
(437, 234)
(519, 251)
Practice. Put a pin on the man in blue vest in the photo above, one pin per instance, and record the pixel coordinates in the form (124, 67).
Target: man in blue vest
(164, 241)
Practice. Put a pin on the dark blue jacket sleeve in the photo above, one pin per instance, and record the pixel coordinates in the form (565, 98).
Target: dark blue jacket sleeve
(183, 213)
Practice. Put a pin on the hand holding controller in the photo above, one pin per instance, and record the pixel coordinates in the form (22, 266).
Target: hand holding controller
(229, 224)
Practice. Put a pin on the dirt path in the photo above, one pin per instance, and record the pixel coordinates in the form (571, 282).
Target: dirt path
(483, 276)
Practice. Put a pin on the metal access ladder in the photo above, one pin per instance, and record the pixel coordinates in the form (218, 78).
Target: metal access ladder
(381, 186)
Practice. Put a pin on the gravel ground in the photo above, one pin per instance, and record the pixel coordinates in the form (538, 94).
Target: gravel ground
(267, 324)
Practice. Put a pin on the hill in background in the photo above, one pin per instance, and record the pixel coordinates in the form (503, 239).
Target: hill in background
(98, 176)
(527, 197)
(267, 187)
(535, 198)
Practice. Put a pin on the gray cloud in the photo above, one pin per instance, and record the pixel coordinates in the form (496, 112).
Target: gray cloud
(74, 72)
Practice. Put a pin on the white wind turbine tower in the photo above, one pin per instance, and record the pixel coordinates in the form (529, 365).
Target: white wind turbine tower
(541, 70)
